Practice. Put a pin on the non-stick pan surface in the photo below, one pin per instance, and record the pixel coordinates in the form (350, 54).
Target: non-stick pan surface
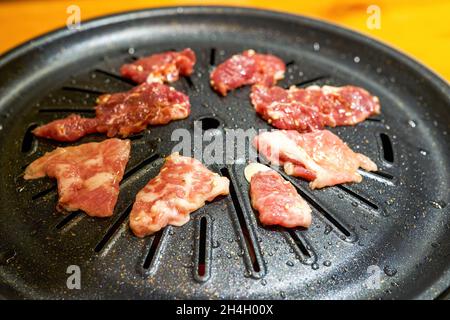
(387, 237)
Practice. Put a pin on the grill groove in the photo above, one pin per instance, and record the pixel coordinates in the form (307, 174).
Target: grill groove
(202, 248)
(113, 229)
(157, 244)
(247, 237)
(82, 90)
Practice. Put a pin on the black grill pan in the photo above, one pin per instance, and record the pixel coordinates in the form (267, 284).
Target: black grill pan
(395, 223)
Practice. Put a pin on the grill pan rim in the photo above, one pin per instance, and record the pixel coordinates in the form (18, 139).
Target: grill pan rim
(161, 11)
(411, 63)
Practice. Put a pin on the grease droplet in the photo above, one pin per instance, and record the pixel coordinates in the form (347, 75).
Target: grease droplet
(390, 271)
(438, 204)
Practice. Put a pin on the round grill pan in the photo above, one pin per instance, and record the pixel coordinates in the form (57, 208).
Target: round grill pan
(393, 226)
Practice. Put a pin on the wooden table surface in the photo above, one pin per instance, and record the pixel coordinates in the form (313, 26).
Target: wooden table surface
(417, 27)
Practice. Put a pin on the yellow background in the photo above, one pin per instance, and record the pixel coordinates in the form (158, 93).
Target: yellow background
(420, 28)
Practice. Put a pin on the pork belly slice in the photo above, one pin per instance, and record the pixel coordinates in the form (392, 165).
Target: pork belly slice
(122, 114)
(88, 175)
(276, 199)
(319, 156)
(313, 108)
(161, 67)
(247, 68)
(181, 187)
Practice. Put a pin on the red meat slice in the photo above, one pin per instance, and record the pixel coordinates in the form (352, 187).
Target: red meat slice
(245, 69)
(320, 156)
(88, 175)
(277, 201)
(182, 186)
(147, 104)
(122, 113)
(68, 129)
(313, 108)
(161, 67)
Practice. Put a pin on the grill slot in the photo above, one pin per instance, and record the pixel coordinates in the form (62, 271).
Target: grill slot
(209, 123)
(189, 82)
(290, 63)
(82, 90)
(43, 193)
(309, 81)
(139, 166)
(301, 247)
(68, 110)
(202, 247)
(135, 137)
(116, 76)
(212, 57)
(202, 251)
(358, 197)
(379, 176)
(29, 142)
(113, 229)
(345, 233)
(247, 239)
(68, 219)
(348, 236)
(374, 120)
(388, 151)
(151, 259)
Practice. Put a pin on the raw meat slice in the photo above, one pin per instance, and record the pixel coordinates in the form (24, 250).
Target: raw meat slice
(88, 175)
(161, 67)
(313, 108)
(147, 104)
(319, 156)
(181, 187)
(122, 113)
(68, 129)
(277, 200)
(245, 69)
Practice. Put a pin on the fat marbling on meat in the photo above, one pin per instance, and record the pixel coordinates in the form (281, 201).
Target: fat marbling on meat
(88, 175)
(181, 187)
(320, 156)
(161, 67)
(247, 68)
(313, 108)
(122, 113)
